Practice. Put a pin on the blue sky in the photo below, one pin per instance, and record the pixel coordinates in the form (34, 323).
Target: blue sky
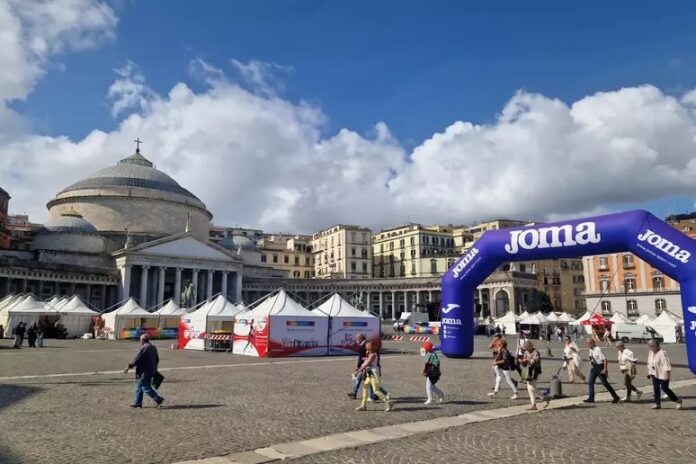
(419, 67)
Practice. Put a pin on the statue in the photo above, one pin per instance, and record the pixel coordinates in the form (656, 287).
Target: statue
(187, 294)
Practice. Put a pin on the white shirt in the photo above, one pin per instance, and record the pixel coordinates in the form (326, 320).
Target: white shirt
(658, 364)
(597, 356)
(625, 357)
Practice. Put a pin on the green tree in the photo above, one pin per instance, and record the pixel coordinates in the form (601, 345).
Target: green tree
(545, 305)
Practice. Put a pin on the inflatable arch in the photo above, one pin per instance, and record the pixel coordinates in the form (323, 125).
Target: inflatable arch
(639, 232)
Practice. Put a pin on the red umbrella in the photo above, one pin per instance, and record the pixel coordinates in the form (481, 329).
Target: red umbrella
(596, 319)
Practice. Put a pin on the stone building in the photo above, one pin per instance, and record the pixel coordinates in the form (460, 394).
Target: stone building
(289, 253)
(343, 251)
(4, 231)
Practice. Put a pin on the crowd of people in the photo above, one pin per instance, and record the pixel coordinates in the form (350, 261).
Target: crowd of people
(34, 334)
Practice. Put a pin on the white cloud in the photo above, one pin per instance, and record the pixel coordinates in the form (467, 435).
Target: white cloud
(264, 78)
(129, 91)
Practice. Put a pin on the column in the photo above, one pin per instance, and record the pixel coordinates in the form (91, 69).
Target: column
(209, 285)
(124, 288)
(405, 300)
(40, 289)
(194, 281)
(430, 296)
(89, 293)
(102, 301)
(614, 266)
(513, 301)
(177, 286)
(393, 311)
(418, 297)
(381, 305)
(8, 283)
(238, 286)
(223, 288)
(368, 305)
(143, 286)
(24, 285)
(72, 288)
(160, 285)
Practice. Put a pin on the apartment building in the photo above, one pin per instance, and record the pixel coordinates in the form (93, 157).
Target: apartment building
(5, 236)
(343, 252)
(290, 253)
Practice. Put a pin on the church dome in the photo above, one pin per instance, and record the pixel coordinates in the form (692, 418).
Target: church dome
(70, 222)
(133, 171)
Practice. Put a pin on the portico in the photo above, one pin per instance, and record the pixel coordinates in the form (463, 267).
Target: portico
(177, 265)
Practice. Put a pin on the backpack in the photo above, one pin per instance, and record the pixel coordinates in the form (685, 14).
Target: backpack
(510, 360)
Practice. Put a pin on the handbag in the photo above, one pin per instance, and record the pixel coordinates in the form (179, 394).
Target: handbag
(157, 380)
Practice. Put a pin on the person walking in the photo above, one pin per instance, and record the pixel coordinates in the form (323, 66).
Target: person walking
(571, 360)
(503, 363)
(627, 365)
(358, 377)
(22, 331)
(31, 336)
(145, 363)
(531, 369)
(15, 335)
(2, 331)
(432, 373)
(371, 379)
(599, 369)
(39, 336)
(659, 370)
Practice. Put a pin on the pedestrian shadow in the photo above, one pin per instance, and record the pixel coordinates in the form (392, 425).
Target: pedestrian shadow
(10, 394)
(398, 407)
(193, 406)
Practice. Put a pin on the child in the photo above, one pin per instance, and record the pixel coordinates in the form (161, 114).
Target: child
(432, 373)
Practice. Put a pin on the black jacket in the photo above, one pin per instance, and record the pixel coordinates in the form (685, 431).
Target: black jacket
(362, 353)
(145, 362)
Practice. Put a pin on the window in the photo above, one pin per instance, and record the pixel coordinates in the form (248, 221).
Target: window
(352, 251)
(450, 262)
(630, 284)
(413, 254)
(523, 267)
(391, 246)
(413, 269)
(364, 266)
(606, 308)
(413, 241)
(658, 283)
(402, 243)
(632, 309)
(306, 274)
(364, 237)
(297, 260)
(604, 284)
(352, 266)
(307, 260)
(286, 259)
(603, 263)
(627, 261)
(275, 258)
(660, 305)
(433, 266)
(263, 258)
(381, 247)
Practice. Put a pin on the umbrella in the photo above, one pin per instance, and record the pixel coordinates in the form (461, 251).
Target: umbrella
(596, 319)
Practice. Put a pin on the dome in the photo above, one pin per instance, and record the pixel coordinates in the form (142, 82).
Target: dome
(238, 241)
(133, 171)
(70, 222)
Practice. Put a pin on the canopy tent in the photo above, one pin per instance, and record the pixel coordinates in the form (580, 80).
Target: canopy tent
(643, 319)
(76, 317)
(8, 301)
(345, 323)
(533, 319)
(551, 317)
(579, 321)
(128, 321)
(62, 301)
(217, 314)
(523, 314)
(619, 318)
(565, 318)
(597, 320)
(168, 317)
(508, 322)
(667, 325)
(53, 301)
(29, 310)
(279, 326)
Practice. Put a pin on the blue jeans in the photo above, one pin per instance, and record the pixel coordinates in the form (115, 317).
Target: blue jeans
(595, 372)
(663, 385)
(144, 384)
(358, 381)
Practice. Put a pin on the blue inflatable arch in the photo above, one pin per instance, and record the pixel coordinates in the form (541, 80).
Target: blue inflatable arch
(639, 232)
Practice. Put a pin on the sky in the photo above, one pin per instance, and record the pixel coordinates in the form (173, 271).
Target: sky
(292, 116)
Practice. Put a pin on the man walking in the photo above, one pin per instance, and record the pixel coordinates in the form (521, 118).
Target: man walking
(362, 352)
(599, 369)
(145, 363)
(659, 369)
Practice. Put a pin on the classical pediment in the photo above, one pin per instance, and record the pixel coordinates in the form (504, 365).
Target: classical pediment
(185, 246)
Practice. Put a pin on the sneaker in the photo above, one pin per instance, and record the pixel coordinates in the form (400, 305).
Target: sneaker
(441, 399)
(428, 402)
(352, 396)
(389, 406)
(588, 401)
(159, 402)
(547, 402)
(492, 394)
(135, 405)
(656, 406)
(664, 396)
(532, 408)
(625, 399)
(638, 395)
(679, 404)
(361, 408)
(514, 397)
(388, 396)
(370, 400)
(615, 400)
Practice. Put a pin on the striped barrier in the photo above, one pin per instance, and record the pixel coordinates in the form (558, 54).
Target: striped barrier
(419, 339)
(396, 338)
(219, 337)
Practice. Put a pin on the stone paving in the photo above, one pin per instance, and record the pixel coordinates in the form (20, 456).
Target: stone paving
(243, 403)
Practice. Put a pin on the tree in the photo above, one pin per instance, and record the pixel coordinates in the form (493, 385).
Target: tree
(545, 305)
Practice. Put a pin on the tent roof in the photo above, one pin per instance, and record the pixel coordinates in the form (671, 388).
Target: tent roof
(76, 306)
(131, 309)
(29, 304)
(551, 317)
(618, 317)
(218, 307)
(585, 316)
(61, 303)
(565, 317)
(643, 319)
(8, 300)
(596, 319)
(170, 309)
(508, 317)
(336, 306)
(666, 318)
(533, 319)
(280, 304)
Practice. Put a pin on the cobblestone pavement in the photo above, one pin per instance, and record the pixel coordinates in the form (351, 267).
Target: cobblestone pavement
(601, 433)
(243, 404)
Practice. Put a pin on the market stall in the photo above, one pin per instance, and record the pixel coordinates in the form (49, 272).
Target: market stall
(668, 326)
(210, 326)
(29, 310)
(76, 317)
(168, 318)
(508, 323)
(129, 321)
(279, 326)
(345, 322)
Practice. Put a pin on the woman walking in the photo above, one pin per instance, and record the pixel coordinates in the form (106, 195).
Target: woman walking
(432, 374)
(659, 369)
(369, 370)
(627, 366)
(503, 363)
(531, 368)
(571, 360)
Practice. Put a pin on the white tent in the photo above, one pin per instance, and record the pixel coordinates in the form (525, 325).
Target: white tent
(279, 326)
(565, 317)
(619, 318)
(169, 315)
(345, 323)
(644, 319)
(8, 300)
(551, 317)
(27, 309)
(122, 322)
(666, 324)
(58, 305)
(522, 315)
(508, 322)
(215, 314)
(76, 317)
(533, 319)
(53, 301)
(585, 316)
